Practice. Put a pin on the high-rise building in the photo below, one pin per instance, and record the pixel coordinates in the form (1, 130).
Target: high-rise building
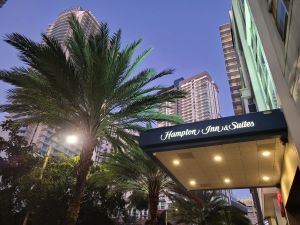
(251, 210)
(250, 49)
(243, 101)
(201, 102)
(267, 38)
(232, 68)
(61, 30)
(39, 134)
(101, 150)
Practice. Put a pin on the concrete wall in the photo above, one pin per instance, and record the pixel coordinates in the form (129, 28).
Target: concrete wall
(292, 47)
(274, 50)
(283, 59)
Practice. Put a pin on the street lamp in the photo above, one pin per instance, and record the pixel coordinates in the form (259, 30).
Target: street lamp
(72, 139)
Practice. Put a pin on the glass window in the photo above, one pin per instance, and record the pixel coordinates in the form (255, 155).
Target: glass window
(279, 10)
(242, 8)
(281, 17)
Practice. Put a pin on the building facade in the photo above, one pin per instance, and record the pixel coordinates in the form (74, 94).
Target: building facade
(248, 43)
(101, 150)
(61, 30)
(251, 210)
(267, 34)
(232, 68)
(201, 102)
(243, 100)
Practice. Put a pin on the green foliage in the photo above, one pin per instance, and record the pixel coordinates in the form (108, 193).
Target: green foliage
(51, 194)
(204, 208)
(92, 91)
(138, 200)
(100, 204)
(87, 86)
(17, 176)
(134, 171)
(20, 188)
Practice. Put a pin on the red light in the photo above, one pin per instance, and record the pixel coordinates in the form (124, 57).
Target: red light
(280, 204)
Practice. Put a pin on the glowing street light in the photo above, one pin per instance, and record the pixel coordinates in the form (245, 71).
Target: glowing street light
(72, 139)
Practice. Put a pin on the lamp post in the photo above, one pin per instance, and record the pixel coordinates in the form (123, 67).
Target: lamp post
(167, 217)
(72, 139)
(49, 149)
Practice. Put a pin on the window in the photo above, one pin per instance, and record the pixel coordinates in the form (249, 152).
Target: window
(242, 9)
(279, 10)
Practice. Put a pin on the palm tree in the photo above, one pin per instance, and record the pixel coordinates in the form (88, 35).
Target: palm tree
(134, 171)
(212, 210)
(90, 90)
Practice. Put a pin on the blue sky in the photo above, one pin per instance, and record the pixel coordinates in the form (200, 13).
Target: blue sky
(183, 34)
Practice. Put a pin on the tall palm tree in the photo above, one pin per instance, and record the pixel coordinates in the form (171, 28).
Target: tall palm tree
(90, 90)
(134, 171)
(212, 210)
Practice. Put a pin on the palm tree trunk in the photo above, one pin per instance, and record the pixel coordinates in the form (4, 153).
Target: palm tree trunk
(82, 172)
(153, 203)
(26, 217)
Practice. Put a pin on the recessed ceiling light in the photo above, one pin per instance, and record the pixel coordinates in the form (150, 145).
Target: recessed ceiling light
(192, 182)
(217, 158)
(227, 180)
(176, 162)
(266, 153)
(266, 178)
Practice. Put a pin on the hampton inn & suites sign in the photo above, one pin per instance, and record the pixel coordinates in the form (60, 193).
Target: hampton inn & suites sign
(208, 129)
(216, 131)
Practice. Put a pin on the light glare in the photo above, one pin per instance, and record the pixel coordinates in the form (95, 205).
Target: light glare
(192, 182)
(72, 139)
(227, 180)
(266, 178)
(176, 162)
(218, 158)
(266, 153)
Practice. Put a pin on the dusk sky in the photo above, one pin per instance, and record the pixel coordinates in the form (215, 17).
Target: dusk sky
(184, 35)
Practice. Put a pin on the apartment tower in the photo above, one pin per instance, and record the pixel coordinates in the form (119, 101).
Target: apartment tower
(232, 68)
(61, 30)
(201, 102)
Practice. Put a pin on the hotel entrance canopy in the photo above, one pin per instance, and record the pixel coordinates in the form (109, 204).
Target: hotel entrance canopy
(230, 152)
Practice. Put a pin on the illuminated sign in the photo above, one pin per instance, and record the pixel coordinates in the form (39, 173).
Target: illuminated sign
(212, 132)
(208, 129)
